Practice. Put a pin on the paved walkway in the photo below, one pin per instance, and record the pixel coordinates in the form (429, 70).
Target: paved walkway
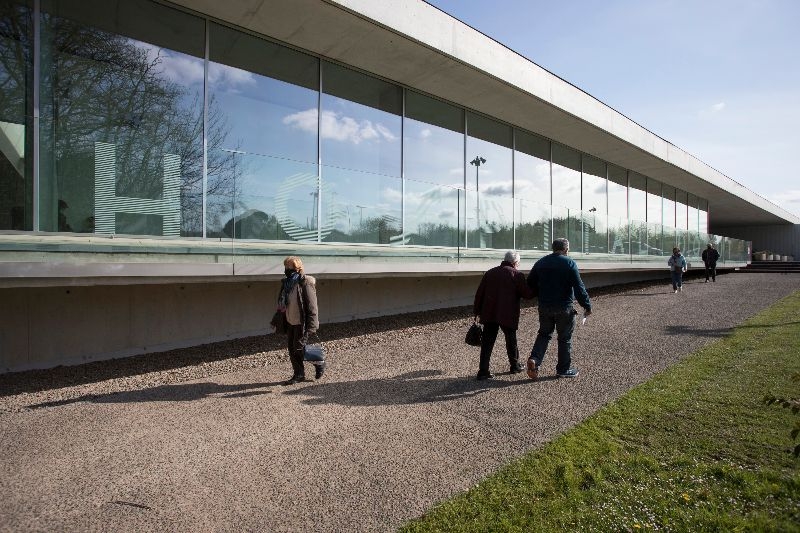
(398, 423)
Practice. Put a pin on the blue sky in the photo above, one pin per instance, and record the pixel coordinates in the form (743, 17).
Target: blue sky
(718, 78)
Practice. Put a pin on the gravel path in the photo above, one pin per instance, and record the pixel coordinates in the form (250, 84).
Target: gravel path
(207, 439)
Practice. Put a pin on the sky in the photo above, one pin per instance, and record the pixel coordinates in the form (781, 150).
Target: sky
(720, 79)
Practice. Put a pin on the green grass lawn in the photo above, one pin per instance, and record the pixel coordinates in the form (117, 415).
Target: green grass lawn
(693, 449)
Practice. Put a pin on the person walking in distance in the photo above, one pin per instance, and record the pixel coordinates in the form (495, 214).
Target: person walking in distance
(677, 266)
(710, 257)
(297, 316)
(556, 279)
(496, 305)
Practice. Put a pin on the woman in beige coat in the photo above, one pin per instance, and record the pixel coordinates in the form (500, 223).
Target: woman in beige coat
(297, 303)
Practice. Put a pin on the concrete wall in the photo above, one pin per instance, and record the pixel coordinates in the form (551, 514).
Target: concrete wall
(45, 327)
(778, 239)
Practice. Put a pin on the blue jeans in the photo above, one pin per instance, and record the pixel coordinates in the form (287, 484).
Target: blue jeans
(562, 321)
(677, 279)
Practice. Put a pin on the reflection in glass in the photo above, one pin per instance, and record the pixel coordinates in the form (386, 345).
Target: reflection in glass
(566, 178)
(432, 214)
(533, 230)
(668, 204)
(617, 192)
(122, 107)
(265, 95)
(433, 146)
(569, 224)
(637, 200)
(532, 167)
(269, 199)
(361, 122)
(489, 193)
(360, 207)
(595, 205)
(16, 67)
(618, 238)
(702, 215)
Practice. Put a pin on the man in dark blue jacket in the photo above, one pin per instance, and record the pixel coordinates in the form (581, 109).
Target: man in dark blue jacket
(556, 279)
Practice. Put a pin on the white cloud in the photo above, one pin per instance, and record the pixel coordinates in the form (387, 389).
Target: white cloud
(719, 106)
(229, 78)
(425, 133)
(338, 127)
(500, 188)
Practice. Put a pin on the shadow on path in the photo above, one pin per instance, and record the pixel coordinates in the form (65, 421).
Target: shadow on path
(421, 386)
(409, 388)
(185, 392)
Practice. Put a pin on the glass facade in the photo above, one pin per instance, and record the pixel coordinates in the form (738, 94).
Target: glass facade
(16, 116)
(155, 122)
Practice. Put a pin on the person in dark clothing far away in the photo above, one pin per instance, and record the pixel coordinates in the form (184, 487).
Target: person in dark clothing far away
(496, 305)
(710, 257)
(556, 279)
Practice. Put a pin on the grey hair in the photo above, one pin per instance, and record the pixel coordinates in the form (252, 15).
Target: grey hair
(512, 256)
(560, 245)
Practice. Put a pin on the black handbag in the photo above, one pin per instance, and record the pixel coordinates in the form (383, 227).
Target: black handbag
(279, 322)
(474, 335)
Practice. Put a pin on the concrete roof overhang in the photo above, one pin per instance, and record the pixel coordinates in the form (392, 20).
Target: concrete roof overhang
(419, 46)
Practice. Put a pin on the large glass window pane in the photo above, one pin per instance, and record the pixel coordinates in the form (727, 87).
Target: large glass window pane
(655, 214)
(16, 64)
(490, 182)
(264, 93)
(618, 242)
(637, 207)
(361, 122)
(532, 191)
(533, 230)
(262, 102)
(617, 192)
(433, 147)
(532, 167)
(568, 223)
(681, 214)
(681, 209)
(257, 203)
(122, 118)
(668, 195)
(360, 207)
(702, 215)
(361, 151)
(595, 205)
(692, 214)
(433, 213)
(566, 177)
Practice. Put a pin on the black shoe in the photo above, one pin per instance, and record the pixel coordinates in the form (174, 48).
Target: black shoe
(294, 379)
(319, 369)
(517, 368)
(484, 376)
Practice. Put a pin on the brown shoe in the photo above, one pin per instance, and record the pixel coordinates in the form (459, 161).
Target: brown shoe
(533, 372)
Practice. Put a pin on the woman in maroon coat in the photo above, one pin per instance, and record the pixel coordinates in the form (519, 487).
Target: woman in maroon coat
(497, 306)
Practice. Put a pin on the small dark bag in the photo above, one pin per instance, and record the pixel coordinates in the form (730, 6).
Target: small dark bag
(313, 353)
(279, 322)
(474, 335)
